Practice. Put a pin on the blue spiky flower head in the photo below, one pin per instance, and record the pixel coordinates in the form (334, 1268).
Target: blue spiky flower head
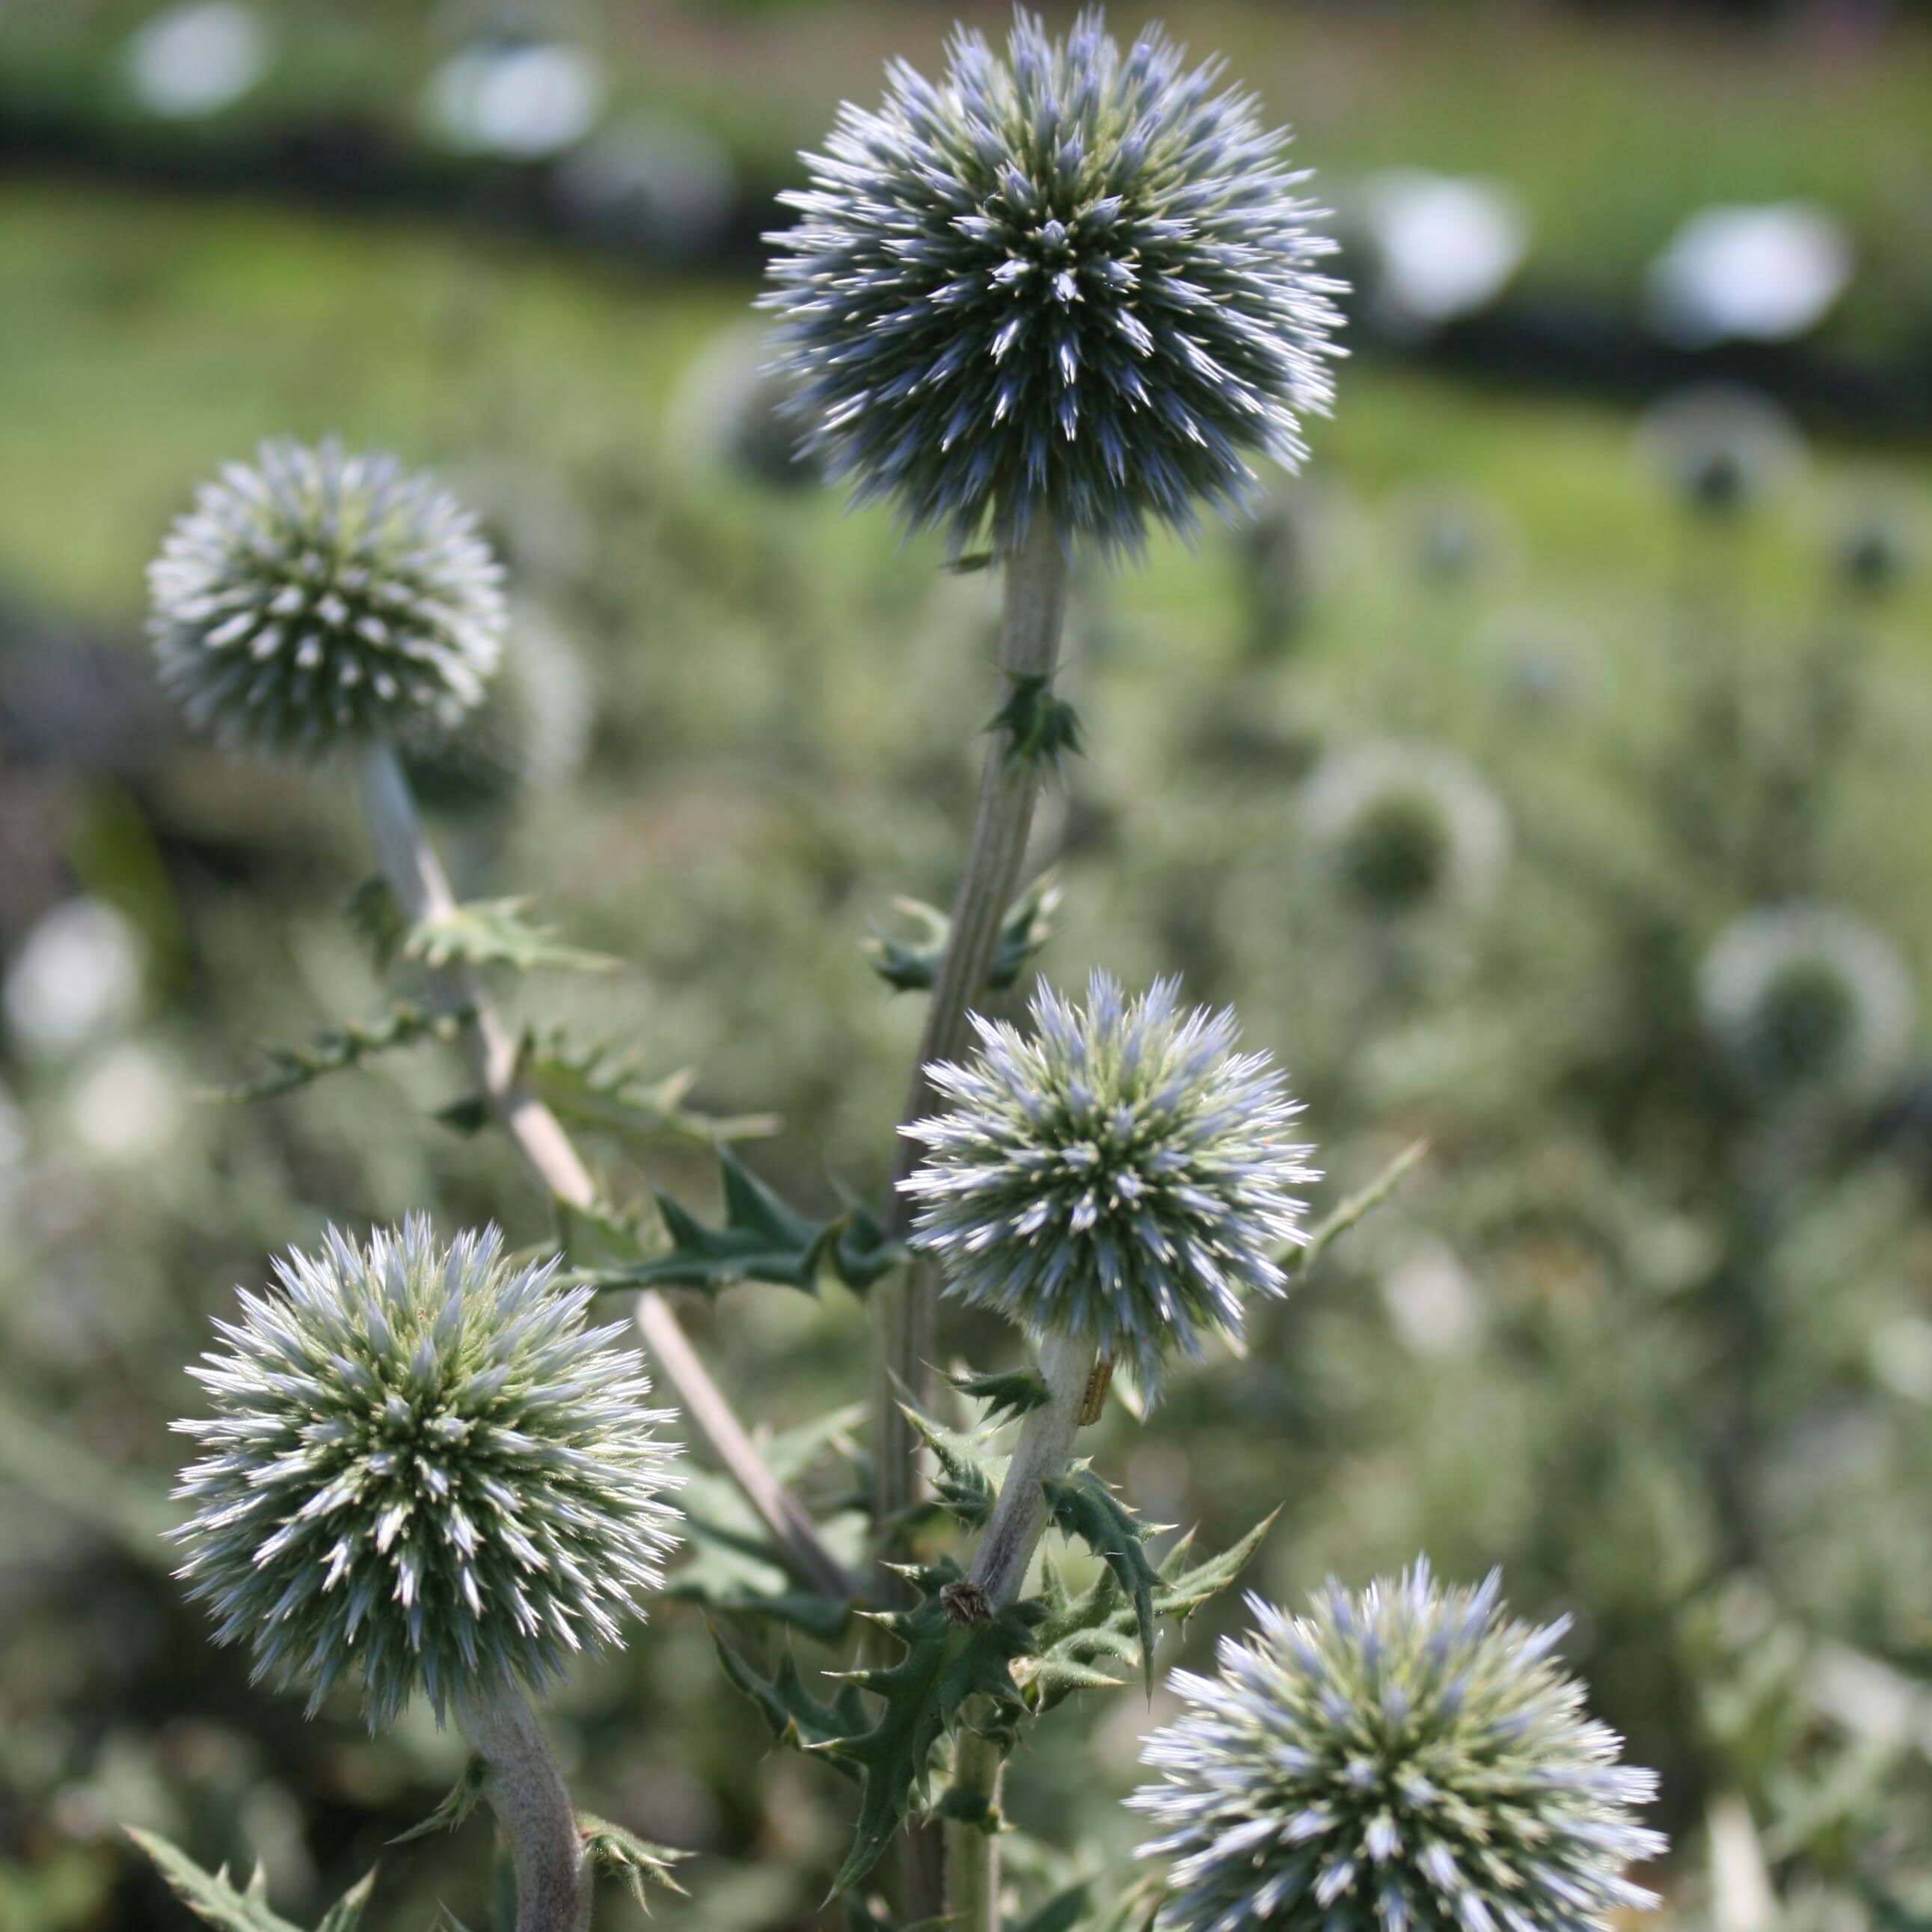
(316, 597)
(1405, 1760)
(1123, 1175)
(1071, 279)
(422, 1469)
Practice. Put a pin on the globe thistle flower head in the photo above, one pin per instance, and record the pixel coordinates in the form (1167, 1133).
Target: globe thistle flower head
(1072, 280)
(422, 1469)
(1123, 1175)
(1807, 997)
(315, 597)
(1722, 450)
(1405, 829)
(1404, 1760)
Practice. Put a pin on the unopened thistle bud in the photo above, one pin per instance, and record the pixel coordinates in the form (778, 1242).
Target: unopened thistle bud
(1405, 829)
(1405, 1760)
(1068, 280)
(1807, 996)
(316, 597)
(423, 1468)
(1121, 1177)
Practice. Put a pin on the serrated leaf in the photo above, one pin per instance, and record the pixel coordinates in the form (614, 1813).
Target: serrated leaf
(346, 1914)
(497, 932)
(339, 1050)
(946, 1666)
(1083, 1506)
(964, 1482)
(1010, 1395)
(457, 1804)
(1040, 728)
(760, 1238)
(209, 1895)
(794, 1716)
(623, 1856)
(912, 965)
(377, 920)
(600, 1084)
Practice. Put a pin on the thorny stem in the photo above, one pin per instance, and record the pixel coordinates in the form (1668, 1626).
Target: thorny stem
(532, 1805)
(416, 876)
(1033, 614)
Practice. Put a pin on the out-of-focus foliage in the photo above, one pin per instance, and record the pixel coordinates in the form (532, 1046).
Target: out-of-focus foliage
(1654, 1336)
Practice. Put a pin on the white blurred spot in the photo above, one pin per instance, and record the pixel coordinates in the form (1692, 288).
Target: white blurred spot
(126, 1106)
(77, 976)
(1762, 274)
(1447, 245)
(195, 60)
(1901, 1356)
(1433, 1304)
(524, 103)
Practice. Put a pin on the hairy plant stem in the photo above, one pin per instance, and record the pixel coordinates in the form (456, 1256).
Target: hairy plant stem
(532, 1805)
(415, 876)
(972, 1839)
(1033, 614)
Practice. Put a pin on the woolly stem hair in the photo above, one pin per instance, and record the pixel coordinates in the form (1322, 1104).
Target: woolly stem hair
(538, 1821)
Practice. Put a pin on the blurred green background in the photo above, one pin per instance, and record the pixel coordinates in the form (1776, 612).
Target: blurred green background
(1652, 1324)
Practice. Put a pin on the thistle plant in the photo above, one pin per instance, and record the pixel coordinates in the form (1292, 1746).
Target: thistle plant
(318, 598)
(1807, 999)
(423, 1471)
(1404, 1758)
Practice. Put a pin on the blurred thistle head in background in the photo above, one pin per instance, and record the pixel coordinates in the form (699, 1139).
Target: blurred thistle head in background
(422, 1469)
(1122, 1176)
(1406, 1760)
(1724, 450)
(1806, 997)
(1069, 281)
(316, 597)
(1405, 829)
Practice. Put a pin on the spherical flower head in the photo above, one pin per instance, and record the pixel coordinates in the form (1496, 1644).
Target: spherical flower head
(1405, 829)
(1807, 997)
(1405, 1760)
(1724, 450)
(422, 1468)
(1069, 281)
(316, 597)
(1123, 1175)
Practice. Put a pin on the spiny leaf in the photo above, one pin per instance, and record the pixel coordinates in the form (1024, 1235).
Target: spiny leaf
(377, 920)
(340, 1049)
(945, 1666)
(1039, 726)
(760, 1239)
(497, 932)
(209, 1895)
(599, 1083)
(1083, 1506)
(912, 965)
(1356, 1208)
(462, 1798)
(346, 1914)
(796, 1717)
(1010, 1394)
(964, 1483)
(626, 1856)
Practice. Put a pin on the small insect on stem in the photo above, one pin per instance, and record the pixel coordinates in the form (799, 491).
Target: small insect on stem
(1093, 1404)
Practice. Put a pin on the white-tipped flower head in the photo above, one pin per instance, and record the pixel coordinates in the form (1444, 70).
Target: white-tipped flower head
(1723, 449)
(1405, 1760)
(422, 1469)
(1405, 829)
(1069, 280)
(1807, 997)
(1124, 1174)
(315, 597)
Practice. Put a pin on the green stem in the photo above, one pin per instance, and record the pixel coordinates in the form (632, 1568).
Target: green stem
(1032, 615)
(533, 1808)
(972, 1838)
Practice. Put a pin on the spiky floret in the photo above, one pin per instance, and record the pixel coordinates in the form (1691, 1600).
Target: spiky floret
(316, 596)
(1405, 1760)
(1068, 280)
(1807, 996)
(1406, 828)
(1123, 1175)
(423, 1468)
